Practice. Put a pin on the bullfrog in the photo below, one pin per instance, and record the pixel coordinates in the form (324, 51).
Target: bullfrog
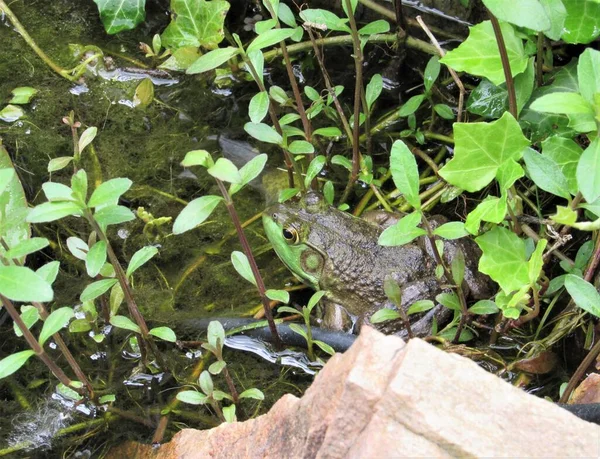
(331, 250)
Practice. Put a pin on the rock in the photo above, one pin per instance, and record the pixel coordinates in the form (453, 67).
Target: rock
(588, 391)
(386, 398)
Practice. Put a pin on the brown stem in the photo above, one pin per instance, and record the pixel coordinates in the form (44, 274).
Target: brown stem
(36, 347)
(260, 285)
(232, 389)
(510, 85)
(132, 306)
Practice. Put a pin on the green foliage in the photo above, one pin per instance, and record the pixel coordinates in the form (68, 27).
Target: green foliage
(119, 15)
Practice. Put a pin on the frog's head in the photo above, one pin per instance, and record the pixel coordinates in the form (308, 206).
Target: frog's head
(292, 228)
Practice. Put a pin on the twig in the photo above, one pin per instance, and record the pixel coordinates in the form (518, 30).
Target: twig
(510, 85)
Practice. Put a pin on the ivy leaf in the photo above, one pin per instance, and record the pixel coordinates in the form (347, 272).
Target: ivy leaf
(404, 231)
(405, 173)
(582, 24)
(564, 216)
(588, 69)
(480, 149)
(119, 15)
(525, 13)
(57, 320)
(503, 258)
(479, 54)
(196, 23)
(19, 283)
(565, 153)
(508, 173)
(195, 213)
(546, 174)
(584, 294)
(557, 13)
(242, 266)
(588, 172)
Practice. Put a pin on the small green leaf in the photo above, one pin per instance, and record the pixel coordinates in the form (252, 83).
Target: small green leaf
(375, 27)
(253, 393)
(278, 295)
(451, 230)
(78, 248)
(314, 299)
(444, 111)
(458, 267)
(95, 289)
(405, 173)
(164, 333)
(144, 93)
(340, 160)
(329, 192)
(432, 71)
(242, 266)
(299, 330)
(383, 315)
(79, 326)
(404, 231)
(314, 168)
(536, 261)
(29, 315)
(264, 133)
(22, 95)
(113, 215)
(392, 291)
(57, 164)
(484, 307)
(324, 347)
(259, 107)
(225, 170)
(491, 209)
(96, 258)
(324, 20)
(449, 300)
(420, 306)
(125, 323)
(11, 113)
(562, 103)
(269, 38)
(57, 192)
(287, 193)
(216, 334)
(212, 60)
(192, 397)
(197, 158)
(249, 172)
(13, 362)
(87, 137)
(109, 192)
(216, 367)
(564, 216)
(18, 283)
(588, 172)
(108, 398)
(411, 106)
(55, 322)
(229, 413)
(328, 132)
(79, 185)
(206, 383)
(51, 211)
(49, 271)
(26, 247)
(373, 89)
(286, 15)
(140, 257)
(195, 213)
(584, 294)
(301, 147)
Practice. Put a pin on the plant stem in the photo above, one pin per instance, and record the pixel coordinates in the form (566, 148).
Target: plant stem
(36, 347)
(510, 85)
(260, 285)
(32, 44)
(134, 311)
(232, 389)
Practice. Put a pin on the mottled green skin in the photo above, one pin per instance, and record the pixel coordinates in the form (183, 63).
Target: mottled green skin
(337, 252)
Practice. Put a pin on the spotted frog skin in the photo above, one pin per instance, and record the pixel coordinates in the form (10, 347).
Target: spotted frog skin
(334, 251)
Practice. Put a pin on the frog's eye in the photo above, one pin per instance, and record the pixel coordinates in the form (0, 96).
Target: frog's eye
(291, 235)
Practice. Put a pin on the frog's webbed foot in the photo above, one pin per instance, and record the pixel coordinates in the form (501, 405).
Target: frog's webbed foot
(336, 317)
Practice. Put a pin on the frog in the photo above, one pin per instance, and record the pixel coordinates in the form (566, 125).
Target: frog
(336, 252)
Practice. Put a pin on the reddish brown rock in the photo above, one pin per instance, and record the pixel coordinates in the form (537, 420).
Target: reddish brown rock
(588, 391)
(386, 398)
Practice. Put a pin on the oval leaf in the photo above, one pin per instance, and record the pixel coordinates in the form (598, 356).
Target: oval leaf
(195, 213)
(57, 320)
(18, 283)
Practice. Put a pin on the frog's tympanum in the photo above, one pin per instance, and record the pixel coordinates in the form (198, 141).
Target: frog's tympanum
(334, 251)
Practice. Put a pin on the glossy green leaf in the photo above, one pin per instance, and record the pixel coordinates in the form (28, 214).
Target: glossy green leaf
(565, 153)
(263, 132)
(50, 211)
(431, 73)
(404, 231)
(584, 294)
(504, 258)
(588, 172)
(164, 333)
(562, 103)
(192, 397)
(95, 289)
(195, 213)
(491, 209)
(451, 230)
(212, 60)
(22, 95)
(109, 192)
(484, 307)
(582, 24)
(113, 215)
(324, 20)
(488, 100)
(259, 106)
(12, 363)
(125, 323)
(314, 168)
(249, 172)
(301, 147)
(57, 164)
(278, 295)
(269, 38)
(56, 321)
(140, 257)
(405, 173)
(546, 174)
(242, 266)
(26, 247)
(524, 13)
(411, 105)
(444, 111)
(557, 13)
(225, 170)
(197, 158)
(96, 257)
(479, 54)
(480, 149)
(119, 15)
(18, 283)
(196, 23)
